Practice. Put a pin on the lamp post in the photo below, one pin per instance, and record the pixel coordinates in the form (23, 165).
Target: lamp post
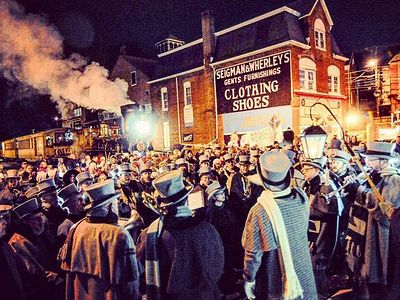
(313, 140)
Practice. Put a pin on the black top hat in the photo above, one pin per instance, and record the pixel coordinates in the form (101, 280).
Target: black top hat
(28, 208)
(68, 193)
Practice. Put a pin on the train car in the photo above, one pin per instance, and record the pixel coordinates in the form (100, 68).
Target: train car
(51, 143)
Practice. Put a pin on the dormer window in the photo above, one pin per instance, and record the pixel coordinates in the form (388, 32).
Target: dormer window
(319, 34)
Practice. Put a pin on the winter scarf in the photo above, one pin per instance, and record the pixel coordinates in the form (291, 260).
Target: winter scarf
(152, 264)
(291, 283)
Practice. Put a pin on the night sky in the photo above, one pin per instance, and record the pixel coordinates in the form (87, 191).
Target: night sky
(97, 28)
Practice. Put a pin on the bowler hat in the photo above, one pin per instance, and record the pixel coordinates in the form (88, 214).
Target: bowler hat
(273, 171)
(100, 194)
(171, 188)
(28, 208)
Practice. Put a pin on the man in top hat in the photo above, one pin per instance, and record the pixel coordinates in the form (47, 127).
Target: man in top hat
(377, 267)
(277, 262)
(32, 245)
(241, 189)
(99, 255)
(183, 255)
(138, 187)
(73, 201)
(83, 180)
(218, 213)
(55, 214)
(183, 165)
(324, 218)
(254, 157)
(11, 266)
(9, 195)
(228, 171)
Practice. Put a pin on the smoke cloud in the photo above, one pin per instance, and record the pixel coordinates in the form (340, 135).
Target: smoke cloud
(31, 51)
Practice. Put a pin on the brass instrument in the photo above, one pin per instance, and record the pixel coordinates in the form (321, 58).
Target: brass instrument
(150, 202)
(361, 178)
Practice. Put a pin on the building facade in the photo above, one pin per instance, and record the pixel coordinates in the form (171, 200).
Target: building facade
(255, 79)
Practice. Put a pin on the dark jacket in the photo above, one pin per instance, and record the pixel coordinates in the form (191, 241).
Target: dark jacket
(191, 259)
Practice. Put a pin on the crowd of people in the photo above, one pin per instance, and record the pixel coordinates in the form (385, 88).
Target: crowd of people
(210, 223)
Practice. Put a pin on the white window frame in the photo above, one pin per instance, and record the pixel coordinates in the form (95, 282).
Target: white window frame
(187, 86)
(164, 99)
(319, 34)
(133, 72)
(166, 136)
(308, 68)
(333, 75)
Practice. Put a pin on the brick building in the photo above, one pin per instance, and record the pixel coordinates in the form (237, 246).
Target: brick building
(261, 75)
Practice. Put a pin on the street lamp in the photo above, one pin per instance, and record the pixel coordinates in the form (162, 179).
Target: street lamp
(313, 140)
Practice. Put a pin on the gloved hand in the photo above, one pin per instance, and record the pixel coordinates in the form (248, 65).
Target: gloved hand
(387, 209)
(351, 184)
(249, 287)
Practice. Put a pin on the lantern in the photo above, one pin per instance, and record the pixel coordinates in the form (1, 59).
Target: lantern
(313, 141)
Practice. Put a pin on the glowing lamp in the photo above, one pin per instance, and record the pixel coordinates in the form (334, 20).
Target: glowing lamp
(313, 141)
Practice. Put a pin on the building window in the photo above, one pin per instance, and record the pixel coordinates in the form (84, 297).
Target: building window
(333, 79)
(319, 34)
(164, 99)
(133, 78)
(166, 136)
(78, 112)
(307, 74)
(187, 93)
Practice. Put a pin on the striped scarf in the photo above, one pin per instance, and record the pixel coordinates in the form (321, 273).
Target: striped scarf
(152, 264)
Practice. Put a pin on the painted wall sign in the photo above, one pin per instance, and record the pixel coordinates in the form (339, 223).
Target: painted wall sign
(256, 84)
(249, 121)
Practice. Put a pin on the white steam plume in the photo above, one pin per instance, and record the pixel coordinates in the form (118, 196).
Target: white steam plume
(32, 50)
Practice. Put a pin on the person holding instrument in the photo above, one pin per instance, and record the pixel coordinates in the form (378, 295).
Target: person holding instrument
(372, 261)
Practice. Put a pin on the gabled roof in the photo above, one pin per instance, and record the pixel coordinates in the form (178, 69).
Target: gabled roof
(179, 61)
(306, 7)
(146, 65)
(335, 48)
(267, 32)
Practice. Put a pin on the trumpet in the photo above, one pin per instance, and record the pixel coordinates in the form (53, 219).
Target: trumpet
(361, 178)
(150, 202)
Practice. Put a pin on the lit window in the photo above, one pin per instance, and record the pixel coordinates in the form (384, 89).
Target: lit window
(78, 112)
(164, 99)
(166, 136)
(187, 93)
(133, 78)
(333, 79)
(307, 74)
(319, 34)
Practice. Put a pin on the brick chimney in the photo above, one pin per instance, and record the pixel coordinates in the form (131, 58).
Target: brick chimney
(208, 32)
